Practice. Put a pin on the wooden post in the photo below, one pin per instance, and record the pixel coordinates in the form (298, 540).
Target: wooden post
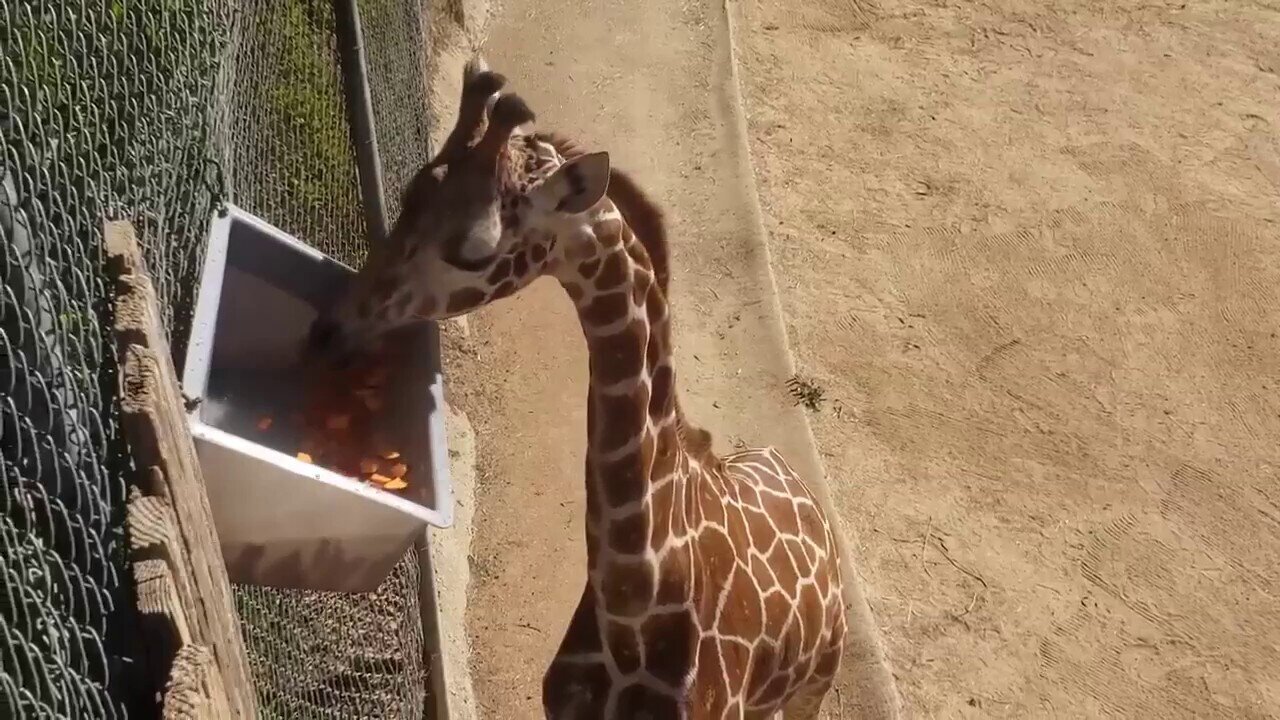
(195, 651)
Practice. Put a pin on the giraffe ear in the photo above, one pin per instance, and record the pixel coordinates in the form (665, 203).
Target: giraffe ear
(576, 186)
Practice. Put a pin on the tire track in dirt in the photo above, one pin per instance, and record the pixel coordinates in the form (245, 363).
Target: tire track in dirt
(1225, 520)
(1065, 212)
(1143, 583)
(837, 17)
(1101, 677)
(1133, 166)
(1124, 562)
(1154, 626)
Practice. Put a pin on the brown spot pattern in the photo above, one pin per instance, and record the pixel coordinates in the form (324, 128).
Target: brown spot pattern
(618, 356)
(673, 580)
(501, 271)
(736, 658)
(712, 506)
(465, 299)
(669, 642)
(661, 507)
(589, 268)
(582, 687)
(629, 535)
(627, 419)
(743, 613)
(640, 702)
(621, 480)
(759, 527)
(661, 392)
(610, 232)
(627, 588)
(520, 266)
(624, 645)
(606, 309)
(504, 290)
(712, 695)
(613, 272)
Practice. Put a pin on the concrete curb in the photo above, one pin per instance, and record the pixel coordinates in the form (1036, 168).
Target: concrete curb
(455, 29)
(450, 551)
(865, 659)
(866, 655)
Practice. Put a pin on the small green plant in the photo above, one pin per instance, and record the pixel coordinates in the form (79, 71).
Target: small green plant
(806, 392)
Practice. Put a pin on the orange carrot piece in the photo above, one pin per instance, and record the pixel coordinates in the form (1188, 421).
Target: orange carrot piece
(395, 484)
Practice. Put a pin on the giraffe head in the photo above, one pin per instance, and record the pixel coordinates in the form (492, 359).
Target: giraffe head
(493, 211)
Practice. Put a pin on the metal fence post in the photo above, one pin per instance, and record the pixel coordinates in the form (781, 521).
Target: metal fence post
(364, 137)
(359, 103)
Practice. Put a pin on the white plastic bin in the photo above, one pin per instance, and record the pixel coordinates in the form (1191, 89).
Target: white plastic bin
(283, 522)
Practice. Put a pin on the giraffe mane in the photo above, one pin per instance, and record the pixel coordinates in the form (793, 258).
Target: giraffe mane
(647, 222)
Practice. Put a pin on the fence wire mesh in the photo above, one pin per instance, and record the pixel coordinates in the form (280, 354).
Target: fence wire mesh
(395, 36)
(320, 655)
(104, 115)
(155, 111)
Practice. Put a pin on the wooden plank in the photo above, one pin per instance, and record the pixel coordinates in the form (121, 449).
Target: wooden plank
(162, 621)
(195, 690)
(175, 520)
(153, 529)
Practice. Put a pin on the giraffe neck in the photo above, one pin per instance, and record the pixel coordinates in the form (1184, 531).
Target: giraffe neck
(634, 443)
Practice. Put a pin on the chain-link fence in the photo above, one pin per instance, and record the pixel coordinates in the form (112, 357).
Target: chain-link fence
(155, 111)
(104, 115)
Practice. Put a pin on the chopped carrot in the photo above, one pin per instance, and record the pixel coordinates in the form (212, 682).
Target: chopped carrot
(395, 484)
(264, 422)
(337, 421)
(304, 457)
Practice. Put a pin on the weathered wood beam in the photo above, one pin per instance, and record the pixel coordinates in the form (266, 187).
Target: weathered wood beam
(180, 576)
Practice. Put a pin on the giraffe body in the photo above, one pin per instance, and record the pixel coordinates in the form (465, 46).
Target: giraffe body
(741, 624)
(714, 587)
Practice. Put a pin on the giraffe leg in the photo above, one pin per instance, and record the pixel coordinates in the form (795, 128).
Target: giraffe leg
(806, 703)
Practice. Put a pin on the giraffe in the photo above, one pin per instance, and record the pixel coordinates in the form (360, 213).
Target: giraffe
(714, 586)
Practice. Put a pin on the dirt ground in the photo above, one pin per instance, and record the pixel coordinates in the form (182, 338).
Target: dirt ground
(1028, 253)
(1031, 253)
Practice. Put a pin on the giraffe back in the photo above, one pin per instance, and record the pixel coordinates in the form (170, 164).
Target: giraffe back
(786, 546)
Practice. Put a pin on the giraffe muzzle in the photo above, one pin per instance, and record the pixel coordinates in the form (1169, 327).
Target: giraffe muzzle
(327, 340)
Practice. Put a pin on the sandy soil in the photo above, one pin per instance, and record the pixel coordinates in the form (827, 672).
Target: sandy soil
(1028, 254)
